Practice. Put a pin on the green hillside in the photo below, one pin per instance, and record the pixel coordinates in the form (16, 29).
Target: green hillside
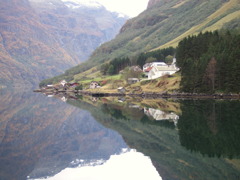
(161, 26)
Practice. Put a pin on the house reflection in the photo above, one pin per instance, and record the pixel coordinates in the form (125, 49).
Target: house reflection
(161, 115)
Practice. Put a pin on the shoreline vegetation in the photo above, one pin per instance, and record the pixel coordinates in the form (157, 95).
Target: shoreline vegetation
(147, 95)
(208, 66)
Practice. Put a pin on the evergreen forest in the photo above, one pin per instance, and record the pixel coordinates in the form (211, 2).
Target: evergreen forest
(210, 62)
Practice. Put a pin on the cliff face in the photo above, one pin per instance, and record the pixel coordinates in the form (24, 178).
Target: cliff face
(38, 41)
(28, 51)
(79, 28)
(152, 3)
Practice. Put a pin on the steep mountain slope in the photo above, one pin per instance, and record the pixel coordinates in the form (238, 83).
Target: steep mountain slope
(164, 24)
(40, 40)
(79, 27)
(28, 51)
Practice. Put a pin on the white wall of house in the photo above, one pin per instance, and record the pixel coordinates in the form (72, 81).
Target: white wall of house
(93, 85)
(63, 82)
(147, 65)
(156, 73)
(160, 69)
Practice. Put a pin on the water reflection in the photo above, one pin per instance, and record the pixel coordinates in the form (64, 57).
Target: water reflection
(159, 115)
(176, 148)
(54, 135)
(127, 165)
(211, 127)
(40, 136)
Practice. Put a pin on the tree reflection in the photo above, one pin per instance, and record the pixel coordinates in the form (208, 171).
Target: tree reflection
(211, 127)
(159, 139)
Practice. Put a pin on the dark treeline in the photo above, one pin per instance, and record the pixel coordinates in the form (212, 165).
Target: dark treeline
(210, 62)
(210, 127)
(118, 64)
(114, 66)
(159, 56)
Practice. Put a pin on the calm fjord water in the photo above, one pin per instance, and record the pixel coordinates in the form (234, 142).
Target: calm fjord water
(45, 137)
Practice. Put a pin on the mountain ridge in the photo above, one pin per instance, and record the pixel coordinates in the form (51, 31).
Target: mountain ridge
(18, 42)
(153, 23)
(162, 25)
(38, 41)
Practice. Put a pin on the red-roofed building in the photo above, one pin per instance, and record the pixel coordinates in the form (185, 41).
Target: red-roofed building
(146, 70)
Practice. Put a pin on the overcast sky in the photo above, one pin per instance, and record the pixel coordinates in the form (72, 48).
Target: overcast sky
(129, 7)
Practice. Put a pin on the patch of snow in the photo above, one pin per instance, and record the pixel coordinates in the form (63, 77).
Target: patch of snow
(73, 4)
(83, 163)
(121, 15)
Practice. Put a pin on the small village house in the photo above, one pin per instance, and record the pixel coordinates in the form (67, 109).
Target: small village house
(94, 85)
(63, 83)
(146, 66)
(121, 90)
(158, 69)
(73, 85)
(50, 85)
(147, 70)
(132, 80)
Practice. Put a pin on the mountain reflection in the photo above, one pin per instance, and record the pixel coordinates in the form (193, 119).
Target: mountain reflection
(40, 136)
(184, 139)
(127, 165)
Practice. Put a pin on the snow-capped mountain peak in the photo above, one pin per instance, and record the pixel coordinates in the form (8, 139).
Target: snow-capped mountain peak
(73, 4)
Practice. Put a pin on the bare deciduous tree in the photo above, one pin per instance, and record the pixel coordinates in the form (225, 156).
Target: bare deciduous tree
(210, 74)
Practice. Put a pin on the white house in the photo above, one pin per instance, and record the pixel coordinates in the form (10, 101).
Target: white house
(146, 66)
(150, 65)
(121, 89)
(160, 69)
(63, 82)
(94, 85)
